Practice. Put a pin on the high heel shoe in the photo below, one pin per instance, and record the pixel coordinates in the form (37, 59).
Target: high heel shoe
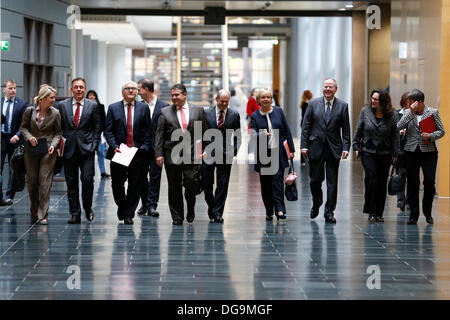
(281, 216)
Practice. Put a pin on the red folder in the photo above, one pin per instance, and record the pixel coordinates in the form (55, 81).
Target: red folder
(427, 126)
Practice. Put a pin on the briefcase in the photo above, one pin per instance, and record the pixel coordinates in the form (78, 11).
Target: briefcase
(40, 149)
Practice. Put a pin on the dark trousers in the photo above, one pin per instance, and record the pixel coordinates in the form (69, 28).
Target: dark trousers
(216, 201)
(7, 150)
(150, 190)
(127, 202)
(376, 172)
(85, 165)
(272, 192)
(179, 176)
(317, 168)
(427, 161)
(401, 163)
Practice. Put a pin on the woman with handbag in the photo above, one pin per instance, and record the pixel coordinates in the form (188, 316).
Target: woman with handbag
(269, 123)
(41, 125)
(423, 127)
(376, 141)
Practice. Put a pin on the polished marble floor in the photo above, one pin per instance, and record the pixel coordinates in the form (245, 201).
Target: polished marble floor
(245, 258)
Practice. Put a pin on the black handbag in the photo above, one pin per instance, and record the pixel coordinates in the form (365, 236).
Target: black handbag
(396, 182)
(290, 190)
(18, 169)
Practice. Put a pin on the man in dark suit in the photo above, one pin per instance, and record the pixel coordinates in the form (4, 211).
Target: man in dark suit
(225, 120)
(81, 127)
(128, 122)
(12, 109)
(325, 139)
(150, 191)
(177, 145)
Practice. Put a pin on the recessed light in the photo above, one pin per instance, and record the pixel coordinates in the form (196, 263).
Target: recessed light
(349, 6)
(341, 9)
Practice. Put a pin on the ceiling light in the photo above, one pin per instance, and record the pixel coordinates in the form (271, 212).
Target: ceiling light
(349, 6)
(342, 9)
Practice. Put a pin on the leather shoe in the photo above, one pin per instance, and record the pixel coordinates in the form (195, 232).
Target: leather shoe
(120, 213)
(177, 222)
(74, 220)
(330, 219)
(412, 221)
(218, 219)
(128, 220)
(430, 220)
(372, 218)
(210, 214)
(314, 213)
(6, 202)
(153, 213)
(190, 216)
(142, 211)
(90, 215)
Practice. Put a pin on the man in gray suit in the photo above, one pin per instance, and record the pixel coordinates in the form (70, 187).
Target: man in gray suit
(176, 147)
(81, 127)
(325, 140)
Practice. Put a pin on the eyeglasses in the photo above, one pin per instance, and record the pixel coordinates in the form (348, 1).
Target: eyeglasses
(130, 89)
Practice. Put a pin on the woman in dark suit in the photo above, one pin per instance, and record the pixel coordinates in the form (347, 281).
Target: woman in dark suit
(376, 141)
(270, 122)
(101, 150)
(41, 121)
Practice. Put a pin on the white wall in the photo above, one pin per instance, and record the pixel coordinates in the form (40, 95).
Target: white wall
(116, 73)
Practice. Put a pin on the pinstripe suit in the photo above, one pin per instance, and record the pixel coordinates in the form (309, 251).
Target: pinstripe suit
(420, 155)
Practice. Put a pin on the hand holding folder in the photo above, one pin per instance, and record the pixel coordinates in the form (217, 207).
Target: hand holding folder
(427, 125)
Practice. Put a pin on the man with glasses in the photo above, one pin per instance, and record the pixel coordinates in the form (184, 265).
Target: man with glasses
(128, 122)
(12, 111)
(80, 123)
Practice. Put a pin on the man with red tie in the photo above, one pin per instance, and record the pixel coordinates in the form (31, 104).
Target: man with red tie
(128, 122)
(179, 147)
(81, 127)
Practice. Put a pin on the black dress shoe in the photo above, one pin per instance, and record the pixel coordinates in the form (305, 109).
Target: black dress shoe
(412, 221)
(90, 215)
(177, 222)
(430, 220)
(142, 211)
(153, 213)
(314, 213)
(330, 219)
(128, 220)
(218, 219)
(210, 214)
(74, 220)
(372, 218)
(120, 213)
(190, 216)
(6, 202)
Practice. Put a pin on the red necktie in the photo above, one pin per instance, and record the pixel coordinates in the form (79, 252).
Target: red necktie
(129, 127)
(183, 120)
(77, 114)
(220, 122)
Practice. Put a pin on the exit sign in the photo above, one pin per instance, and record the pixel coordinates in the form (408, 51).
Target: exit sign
(4, 45)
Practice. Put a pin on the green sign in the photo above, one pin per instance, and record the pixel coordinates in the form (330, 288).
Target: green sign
(4, 45)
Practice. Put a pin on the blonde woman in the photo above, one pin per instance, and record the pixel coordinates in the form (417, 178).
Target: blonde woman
(41, 121)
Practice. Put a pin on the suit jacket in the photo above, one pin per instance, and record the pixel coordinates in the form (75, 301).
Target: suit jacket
(413, 132)
(50, 129)
(278, 120)
(168, 123)
(17, 114)
(116, 127)
(232, 121)
(316, 131)
(102, 116)
(377, 137)
(155, 116)
(86, 136)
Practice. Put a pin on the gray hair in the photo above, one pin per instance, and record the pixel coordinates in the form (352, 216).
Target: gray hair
(128, 82)
(222, 92)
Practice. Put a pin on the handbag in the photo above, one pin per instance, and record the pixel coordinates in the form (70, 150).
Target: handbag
(290, 191)
(18, 169)
(396, 182)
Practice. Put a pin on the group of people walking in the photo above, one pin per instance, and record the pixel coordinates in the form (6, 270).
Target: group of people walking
(194, 144)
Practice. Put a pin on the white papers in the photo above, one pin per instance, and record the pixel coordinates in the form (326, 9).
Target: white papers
(125, 156)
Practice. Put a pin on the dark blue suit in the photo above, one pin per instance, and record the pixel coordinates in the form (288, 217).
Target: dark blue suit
(216, 201)
(8, 148)
(150, 191)
(272, 186)
(115, 134)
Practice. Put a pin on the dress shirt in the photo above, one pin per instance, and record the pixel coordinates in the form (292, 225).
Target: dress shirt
(186, 114)
(218, 114)
(125, 108)
(151, 105)
(11, 105)
(75, 106)
(331, 104)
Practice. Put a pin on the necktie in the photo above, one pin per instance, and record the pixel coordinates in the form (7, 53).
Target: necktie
(183, 120)
(77, 114)
(7, 116)
(129, 127)
(327, 113)
(220, 122)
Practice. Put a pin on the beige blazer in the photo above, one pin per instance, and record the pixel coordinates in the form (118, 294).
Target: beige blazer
(50, 129)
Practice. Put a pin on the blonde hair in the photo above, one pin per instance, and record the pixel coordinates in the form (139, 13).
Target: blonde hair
(44, 92)
(263, 91)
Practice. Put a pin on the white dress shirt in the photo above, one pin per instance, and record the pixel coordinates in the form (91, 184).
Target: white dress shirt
(75, 106)
(125, 107)
(151, 105)
(331, 103)
(218, 114)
